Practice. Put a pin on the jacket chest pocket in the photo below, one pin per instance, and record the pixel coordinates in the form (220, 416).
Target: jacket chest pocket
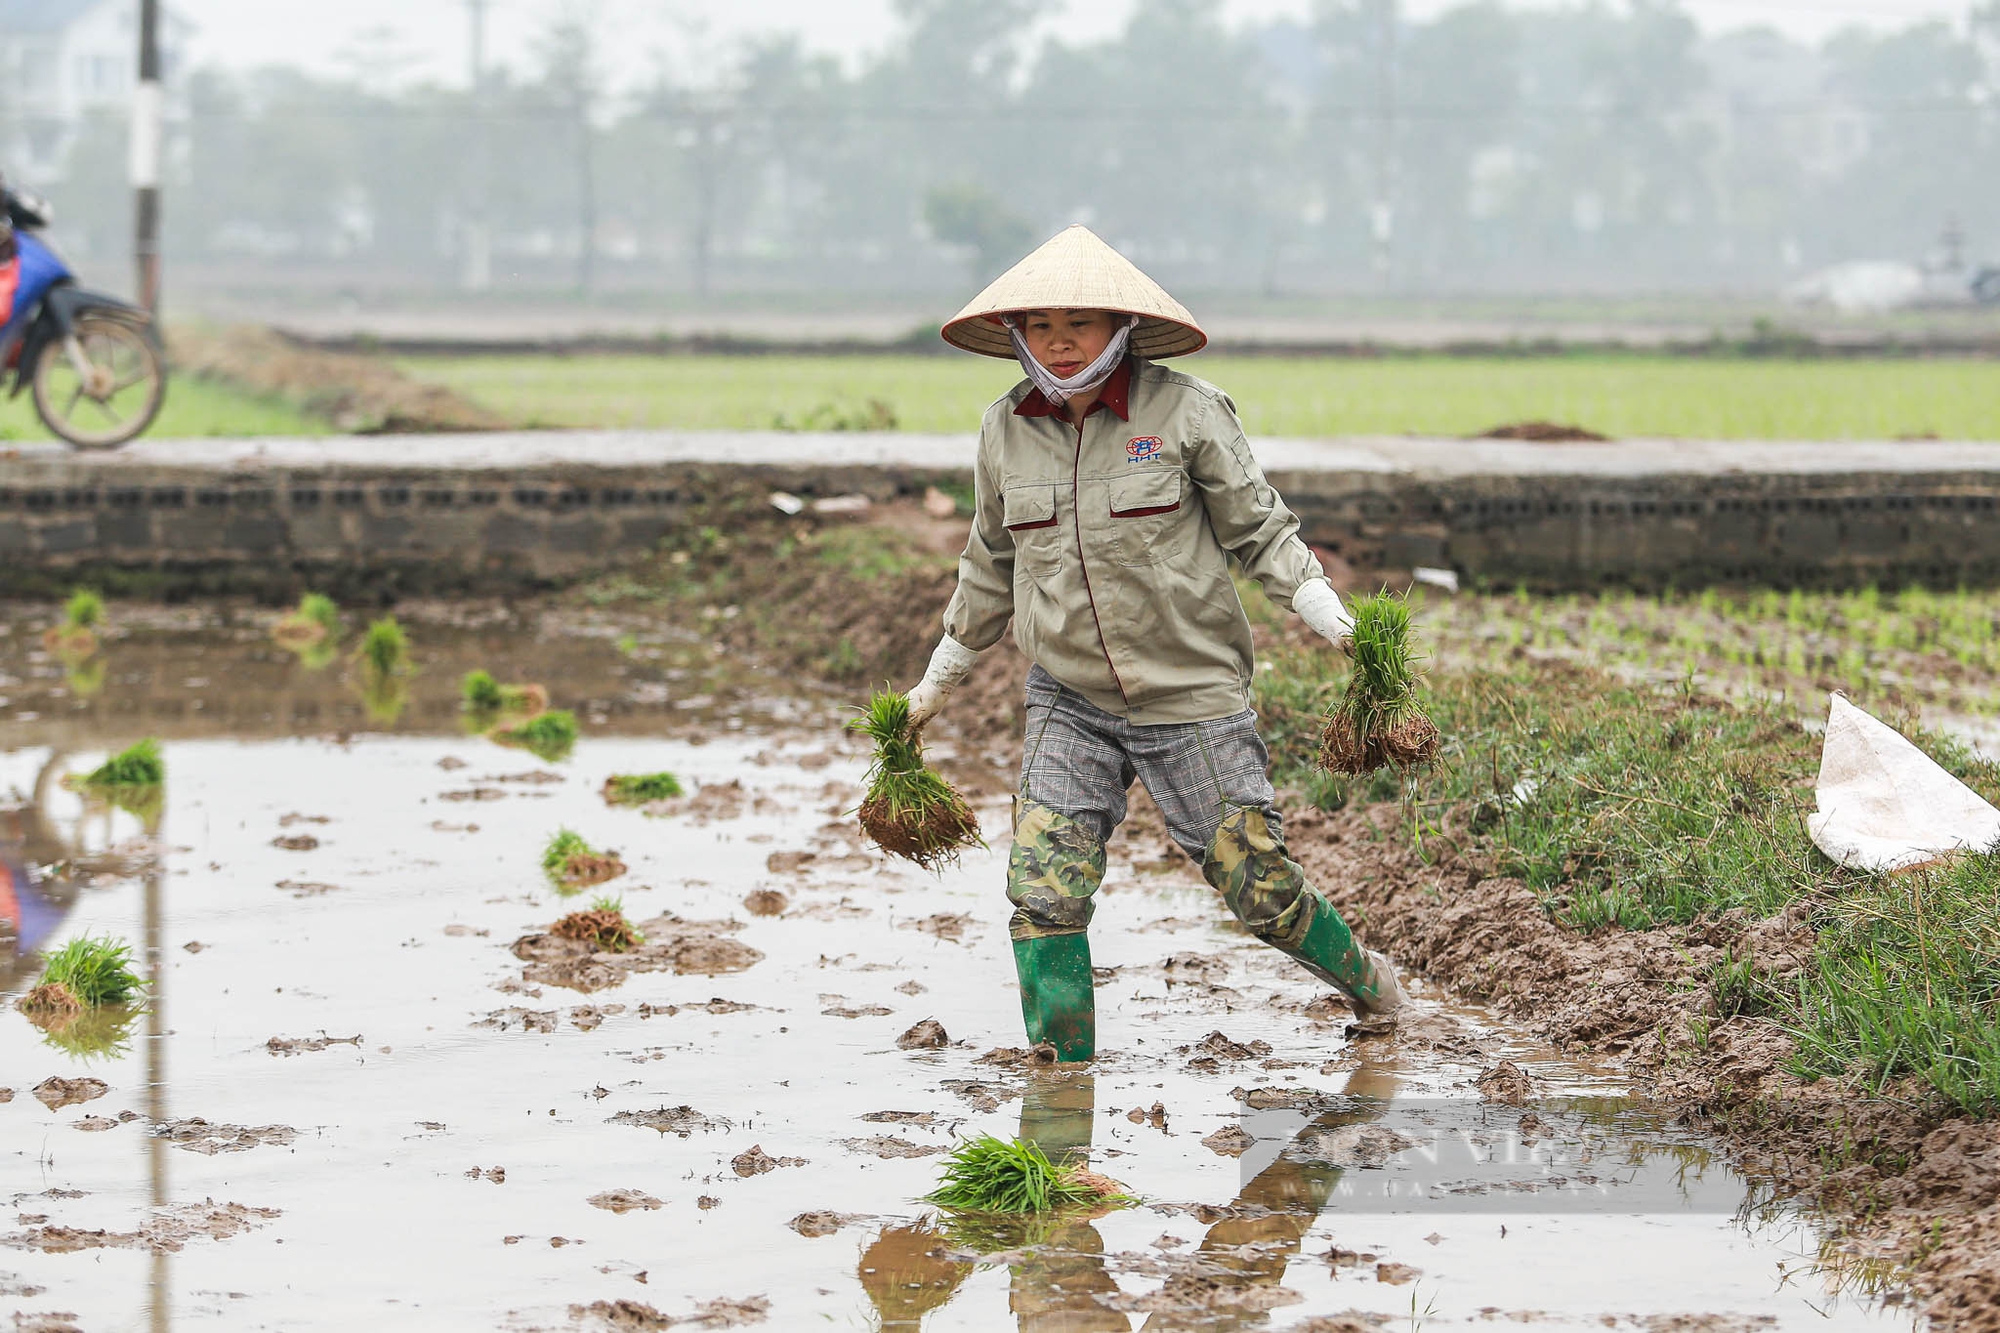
(1029, 513)
(1145, 511)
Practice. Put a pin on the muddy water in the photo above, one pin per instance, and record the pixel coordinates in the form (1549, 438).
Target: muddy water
(402, 1130)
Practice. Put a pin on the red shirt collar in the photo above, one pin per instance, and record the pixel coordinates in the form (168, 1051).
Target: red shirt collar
(1115, 395)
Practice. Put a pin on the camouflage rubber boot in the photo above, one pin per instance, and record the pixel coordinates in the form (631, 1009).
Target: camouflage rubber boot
(1268, 892)
(1052, 872)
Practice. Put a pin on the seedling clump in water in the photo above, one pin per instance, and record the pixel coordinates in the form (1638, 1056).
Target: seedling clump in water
(486, 697)
(602, 925)
(133, 780)
(548, 736)
(315, 620)
(86, 973)
(641, 788)
(1378, 721)
(76, 637)
(910, 810)
(572, 864)
(385, 649)
(990, 1175)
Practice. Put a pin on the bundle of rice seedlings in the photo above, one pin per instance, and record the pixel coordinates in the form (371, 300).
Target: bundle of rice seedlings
(315, 620)
(137, 765)
(86, 973)
(990, 1175)
(385, 649)
(548, 736)
(910, 810)
(76, 637)
(1377, 721)
(640, 788)
(483, 696)
(572, 864)
(602, 925)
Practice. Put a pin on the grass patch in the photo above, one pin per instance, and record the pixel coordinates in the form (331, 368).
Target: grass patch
(571, 864)
(1862, 398)
(640, 788)
(991, 1175)
(550, 736)
(96, 971)
(910, 810)
(1906, 982)
(194, 408)
(1631, 804)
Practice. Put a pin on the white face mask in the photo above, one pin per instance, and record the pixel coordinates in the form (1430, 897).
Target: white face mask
(1060, 391)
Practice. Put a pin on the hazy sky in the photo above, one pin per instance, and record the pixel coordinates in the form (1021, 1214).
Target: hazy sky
(430, 35)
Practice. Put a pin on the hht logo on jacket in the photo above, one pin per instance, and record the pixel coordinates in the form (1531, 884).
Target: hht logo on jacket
(1143, 448)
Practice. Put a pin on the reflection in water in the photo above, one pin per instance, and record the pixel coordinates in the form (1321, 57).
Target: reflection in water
(1060, 1279)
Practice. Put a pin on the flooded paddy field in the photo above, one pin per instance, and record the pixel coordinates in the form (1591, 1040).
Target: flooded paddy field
(366, 1091)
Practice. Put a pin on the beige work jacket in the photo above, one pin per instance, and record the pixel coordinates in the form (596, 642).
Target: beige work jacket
(1107, 546)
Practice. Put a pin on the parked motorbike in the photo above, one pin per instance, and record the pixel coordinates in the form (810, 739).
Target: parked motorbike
(94, 362)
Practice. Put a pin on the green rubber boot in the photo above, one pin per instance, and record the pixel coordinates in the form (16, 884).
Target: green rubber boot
(1057, 1003)
(1052, 872)
(1268, 892)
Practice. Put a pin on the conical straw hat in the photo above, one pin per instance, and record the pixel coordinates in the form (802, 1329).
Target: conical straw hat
(1074, 270)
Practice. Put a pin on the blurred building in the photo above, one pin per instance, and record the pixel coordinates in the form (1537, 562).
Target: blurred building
(60, 62)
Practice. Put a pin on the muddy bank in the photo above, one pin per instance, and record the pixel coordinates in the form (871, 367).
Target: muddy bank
(353, 391)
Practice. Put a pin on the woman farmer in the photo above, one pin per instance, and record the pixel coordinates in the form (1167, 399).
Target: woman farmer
(1110, 493)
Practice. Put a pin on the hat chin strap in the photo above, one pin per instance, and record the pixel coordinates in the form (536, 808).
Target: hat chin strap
(1092, 376)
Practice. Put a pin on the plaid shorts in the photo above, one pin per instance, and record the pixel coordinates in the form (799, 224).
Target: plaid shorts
(1080, 761)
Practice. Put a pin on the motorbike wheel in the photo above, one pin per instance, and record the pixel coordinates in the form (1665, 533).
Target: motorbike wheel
(113, 396)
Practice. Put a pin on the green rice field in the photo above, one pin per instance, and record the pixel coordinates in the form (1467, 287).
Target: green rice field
(1620, 396)
(194, 408)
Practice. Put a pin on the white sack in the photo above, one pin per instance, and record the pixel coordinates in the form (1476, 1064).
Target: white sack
(1886, 805)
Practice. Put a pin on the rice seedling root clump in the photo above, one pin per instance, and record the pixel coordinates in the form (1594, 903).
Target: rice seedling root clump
(138, 765)
(601, 925)
(641, 788)
(572, 864)
(992, 1175)
(1377, 722)
(910, 810)
(51, 1002)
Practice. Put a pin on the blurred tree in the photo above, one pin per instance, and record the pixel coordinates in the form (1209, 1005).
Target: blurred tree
(974, 218)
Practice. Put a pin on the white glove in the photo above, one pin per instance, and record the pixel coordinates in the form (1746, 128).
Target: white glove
(950, 663)
(1320, 607)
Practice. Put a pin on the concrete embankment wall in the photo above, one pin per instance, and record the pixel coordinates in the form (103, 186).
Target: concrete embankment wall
(499, 512)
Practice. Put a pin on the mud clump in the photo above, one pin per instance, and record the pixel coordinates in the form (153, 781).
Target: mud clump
(296, 1045)
(680, 1121)
(889, 1146)
(1201, 1294)
(1230, 1141)
(702, 948)
(165, 1232)
(199, 1136)
(929, 1035)
(1505, 1083)
(765, 902)
(822, 1222)
(1542, 432)
(624, 1201)
(720, 1313)
(295, 842)
(57, 1092)
(754, 1161)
